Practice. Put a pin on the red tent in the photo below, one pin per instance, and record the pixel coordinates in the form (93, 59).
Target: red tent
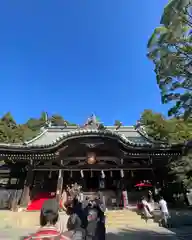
(143, 185)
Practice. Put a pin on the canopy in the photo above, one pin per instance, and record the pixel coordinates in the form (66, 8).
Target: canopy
(143, 185)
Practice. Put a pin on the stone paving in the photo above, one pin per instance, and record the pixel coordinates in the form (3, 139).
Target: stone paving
(183, 233)
(13, 229)
(127, 233)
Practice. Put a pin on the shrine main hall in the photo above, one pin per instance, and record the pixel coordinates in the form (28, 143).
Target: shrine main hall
(96, 157)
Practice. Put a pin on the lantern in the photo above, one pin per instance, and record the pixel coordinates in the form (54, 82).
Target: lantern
(91, 158)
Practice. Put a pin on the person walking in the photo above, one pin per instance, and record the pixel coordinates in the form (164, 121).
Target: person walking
(164, 212)
(146, 209)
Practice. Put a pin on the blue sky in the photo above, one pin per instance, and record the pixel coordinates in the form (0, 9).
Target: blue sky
(75, 57)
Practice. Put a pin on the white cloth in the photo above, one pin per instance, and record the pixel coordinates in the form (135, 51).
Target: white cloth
(62, 222)
(147, 205)
(163, 206)
(146, 212)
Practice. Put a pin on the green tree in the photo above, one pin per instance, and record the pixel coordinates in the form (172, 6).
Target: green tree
(9, 120)
(182, 169)
(170, 49)
(11, 132)
(3, 134)
(57, 120)
(118, 124)
(174, 130)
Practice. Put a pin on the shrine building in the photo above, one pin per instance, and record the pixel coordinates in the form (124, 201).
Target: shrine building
(96, 157)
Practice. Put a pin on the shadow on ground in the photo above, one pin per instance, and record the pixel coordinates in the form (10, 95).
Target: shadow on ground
(134, 234)
(126, 234)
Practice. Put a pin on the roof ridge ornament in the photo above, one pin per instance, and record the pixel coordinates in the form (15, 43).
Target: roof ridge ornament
(94, 122)
(48, 122)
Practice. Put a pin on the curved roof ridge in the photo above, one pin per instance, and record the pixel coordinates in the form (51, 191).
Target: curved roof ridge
(95, 131)
(81, 133)
(77, 127)
(37, 137)
(141, 130)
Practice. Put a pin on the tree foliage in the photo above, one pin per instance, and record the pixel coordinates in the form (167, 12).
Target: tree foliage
(173, 130)
(11, 132)
(182, 169)
(170, 49)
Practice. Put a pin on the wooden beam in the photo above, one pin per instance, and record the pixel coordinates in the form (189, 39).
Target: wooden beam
(95, 169)
(59, 185)
(25, 198)
(104, 158)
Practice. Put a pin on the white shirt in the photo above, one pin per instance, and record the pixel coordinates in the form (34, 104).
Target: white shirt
(163, 206)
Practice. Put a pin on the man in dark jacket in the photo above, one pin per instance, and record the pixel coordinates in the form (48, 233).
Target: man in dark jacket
(101, 230)
(79, 210)
(95, 221)
(74, 227)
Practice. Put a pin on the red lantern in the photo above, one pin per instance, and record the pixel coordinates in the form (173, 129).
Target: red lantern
(91, 158)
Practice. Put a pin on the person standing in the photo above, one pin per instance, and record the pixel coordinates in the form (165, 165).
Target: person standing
(74, 225)
(146, 208)
(101, 230)
(164, 211)
(95, 229)
(48, 219)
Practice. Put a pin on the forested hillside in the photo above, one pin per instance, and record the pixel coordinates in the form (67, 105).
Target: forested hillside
(12, 132)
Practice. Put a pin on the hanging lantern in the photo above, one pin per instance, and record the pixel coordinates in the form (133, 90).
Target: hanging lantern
(102, 174)
(71, 174)
(111, 174)
(82, 174)
(91, 174)
(91, 158)
(122, 173)
(50, 174)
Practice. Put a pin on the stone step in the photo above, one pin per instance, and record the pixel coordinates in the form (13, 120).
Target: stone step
(123, 218)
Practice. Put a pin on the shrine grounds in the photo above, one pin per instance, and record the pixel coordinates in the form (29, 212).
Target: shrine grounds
(10, 229)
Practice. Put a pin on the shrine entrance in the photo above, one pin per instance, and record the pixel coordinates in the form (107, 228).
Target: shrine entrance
(91, 181)
(98, 164)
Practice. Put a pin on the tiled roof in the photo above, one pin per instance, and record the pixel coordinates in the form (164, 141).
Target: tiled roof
(52, 136)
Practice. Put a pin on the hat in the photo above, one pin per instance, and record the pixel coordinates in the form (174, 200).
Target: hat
(50, 206)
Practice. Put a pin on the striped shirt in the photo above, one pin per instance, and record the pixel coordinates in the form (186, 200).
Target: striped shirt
(48, 232)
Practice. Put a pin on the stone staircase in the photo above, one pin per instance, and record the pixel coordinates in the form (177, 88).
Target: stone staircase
(115, 219)
(126, 218)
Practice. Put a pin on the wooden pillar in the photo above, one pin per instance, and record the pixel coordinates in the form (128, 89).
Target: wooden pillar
(25, 198)
(59, 185)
